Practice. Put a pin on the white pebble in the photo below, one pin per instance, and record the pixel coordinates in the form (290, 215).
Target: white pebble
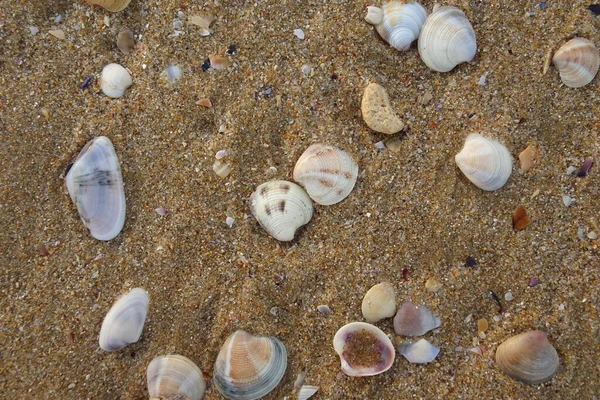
(592, 235)
(324, 309)
(106, 20)
(509, 296)
(561, 307)
(177, 24)
(221, 154)
(229, 221)
(33, 30)
(580, 233)
(567, 200)
(306, 69)
(571, 170)
(482, 81)
(180, 14)
(173, 73)
(299, 33)
(380, 145)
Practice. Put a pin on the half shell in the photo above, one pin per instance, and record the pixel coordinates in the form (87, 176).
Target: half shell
(379, 302)
(485, 162)
(421, 352)
(327, 173)
(175, 377)
(398, 23)
(114, 80)
(124, 322)
(577, 61)
(411, 320)
(110, 5)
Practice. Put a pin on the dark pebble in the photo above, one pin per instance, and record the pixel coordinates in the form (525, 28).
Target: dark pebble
(470, 262)
(206, 65)
(232, 49)
(533, 282)
(595, 8)
(585, 168)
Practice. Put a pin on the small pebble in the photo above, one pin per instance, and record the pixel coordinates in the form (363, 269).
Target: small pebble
(482, 325)
(482, 81)
(592, 235)
(299, 33)
(173, 73)
(273, 311)
(57, 33)
(496, 318)
(580, 233)
(161, 211)
(433, 285)
(33, 30)
(58, 18)
(571, 170)
(470, 262)
(561, 307)
(229, 221)
(306, 70)
(324, 309)
(566, 200)
(508, 296)
(543, 5)
(533, 282)
(380, 145)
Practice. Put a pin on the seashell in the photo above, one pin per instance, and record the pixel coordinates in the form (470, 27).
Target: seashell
(377, 110)
(327, 173)
(398, 23)
(175, 377)
(364, 349)
(520, 220)
(307, 392)
(577, 61)
(95, 185)
(125, 40)
(528, 357)
(125, 320)
(248, 367)
(411, 320)
(528, 157)
(485, 162)
(281, 207)
(110, 5)
(114, 79)
(446, 39)
(421, 352)
(379, 302)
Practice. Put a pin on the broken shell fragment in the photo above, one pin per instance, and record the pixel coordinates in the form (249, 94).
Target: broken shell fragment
(114, 80)
(520, 220)
(124, 321)
(377, 111)
(421, 352)
(398, 23)
(125, 40)
(306, 392)
(411, 320)
(221, 168)
(577, 61)
(110, 5)
(219, 62)
(203, 22)
(485, 162)
(379, 302)
(527, 157)
(175, 377)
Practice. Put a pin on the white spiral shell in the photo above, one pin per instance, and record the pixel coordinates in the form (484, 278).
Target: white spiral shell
(124, 321)
(577, 61)
(485, 162)
(398, 23)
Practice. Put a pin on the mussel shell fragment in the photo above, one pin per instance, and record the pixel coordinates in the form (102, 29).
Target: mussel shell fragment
(124, 321)
(175, 377)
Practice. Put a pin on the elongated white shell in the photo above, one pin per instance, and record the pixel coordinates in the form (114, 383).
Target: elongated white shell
(124, 322)
(577, 61)
(114, 80)
(248, 367)
(447, 39)
(174, 375)
(281, 207)
(95, 185)
(327, 173)
(485, 162)
(379, 302)
(397, 23)
(421, 352)
(411, 320)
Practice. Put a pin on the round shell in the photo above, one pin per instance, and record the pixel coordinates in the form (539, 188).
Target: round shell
(327, 173)
(110, 5)
(485, 162)
(398, 23)
(248, 367)
(379, 302)
(174, 375)
(577, 61)
(447, 39)
(124, 322)
(114, 79)
(281, 207)
(411, 320)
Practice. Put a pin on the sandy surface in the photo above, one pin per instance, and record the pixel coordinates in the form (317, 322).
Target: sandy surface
(410, 209)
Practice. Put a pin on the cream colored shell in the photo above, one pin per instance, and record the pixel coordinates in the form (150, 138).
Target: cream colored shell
(175, 376)
(379, 302)
(110, 5)
(377, 110)
(577, 61)
(485, 162)
(398, 23)
(114, 80)
(124, 321)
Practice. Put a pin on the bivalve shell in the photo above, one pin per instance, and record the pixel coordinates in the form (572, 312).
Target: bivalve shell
(175, 377)
(577, 61)
(411, 320)
(379, 302)
(421, 352)
(114, 80)
(398, 23)
(110, 5)
(124, 322)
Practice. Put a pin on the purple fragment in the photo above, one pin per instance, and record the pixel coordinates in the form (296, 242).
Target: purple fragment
(585, 168)
(161, 211)
(470, 262)
(533, 282)
(595, 8)
(85, 83)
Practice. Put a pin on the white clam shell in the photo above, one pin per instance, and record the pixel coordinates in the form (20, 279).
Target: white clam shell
(124, 322)
(446, 39)
(114, 79)
(327, 173)
(379, 302)
(306, 392)
(398, 23)
(577, 61)
(95, 185)
(485, 162)
(281, 207)
(174, 375)
(249, 367)
(421, 352)
(411, 320)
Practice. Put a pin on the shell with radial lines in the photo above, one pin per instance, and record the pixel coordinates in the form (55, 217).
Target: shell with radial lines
(411, 320)
(124, 321)
(379, 302)
(175, 377)
(577, 61)
(397, 22)
(485, 162)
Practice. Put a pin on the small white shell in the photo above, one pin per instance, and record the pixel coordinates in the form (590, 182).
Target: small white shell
(411, 320)
(398, 23)
(174, 375)
(421, 352)
(485, 162)
(379, 302)
(307, 392)
(327, 173)
(281, 207)
(577, 61)
(447, 39)
(124, 322)
(114, 80)
(110, 5)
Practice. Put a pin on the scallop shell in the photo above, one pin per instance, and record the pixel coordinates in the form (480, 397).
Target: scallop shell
(379, 302)
(175, 377)
(398, 23)
(577, 61)
(421, 352)
(364, 349)
(485, 162)
(411, 320)
(110, 5)
(447, 39)
(124, 322)
(281, 207)
(95, 185)
(114, 80)
(327, 173)
(248, 367)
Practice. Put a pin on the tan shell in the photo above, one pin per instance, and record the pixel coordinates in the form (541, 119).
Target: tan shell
(176, 377)
(110, 5)
(577, 61)
(377, 110)
(485, 162)
(528, 357)
(397, 22)
(379, 302)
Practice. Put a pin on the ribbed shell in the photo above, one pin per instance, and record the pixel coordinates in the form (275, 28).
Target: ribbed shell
(248, 367)
(398, 23)
(124, 321)
(379, 302)
(577, 61)
(110, 5)
(485, 162)
(327, 173)
(447, 39)
(411, 320)
(174, 375)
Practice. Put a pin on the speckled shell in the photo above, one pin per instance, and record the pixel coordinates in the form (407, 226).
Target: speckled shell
(248, 367)
(124, 322)
(95, 185)
(327, 173)
(114, 80)
(110, 5)
(577, 61)
(398, 23)
(528, 357)
(281, 207)
(485, 162)
(174, 375)
(411, 320)
(446, 39)
(420, 352)
(379, 302)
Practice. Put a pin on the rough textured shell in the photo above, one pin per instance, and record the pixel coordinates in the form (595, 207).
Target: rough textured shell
(248, 367)
(485, 162)
(421, 352)
(379, 302)
(281, 207)
(577, 61)
(327, 173)
(114, 79)
(377, 110)
(124, 322)
(447, 39)
(110, 5)
(528, 357)
(95, 185)
(397, 23)
(174, 375)
(411, 320)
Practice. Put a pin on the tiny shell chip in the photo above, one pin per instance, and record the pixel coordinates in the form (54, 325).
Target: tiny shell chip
(379, 302)
(527, 158)
(124, 322)
(110, 5)
(175, 377)
(125, 40)
(421, 352)
(520, 220)
(377, 110)
(114, 79)
(307, 392)
(411, 320)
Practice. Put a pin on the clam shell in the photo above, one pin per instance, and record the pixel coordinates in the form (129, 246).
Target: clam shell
(281, 207)
(248, 367)
(446, 39)
(421, 352)
(398, 23)
(577, 61)
(528, 357)
(95, 185)
(306, 392)
(364, 349)
(379, 302)
(175, 376)
(124, 322)
(485, 162)
(114, 80)
(110, 5)
(411, 320)
(327, 173)
(377, 110)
